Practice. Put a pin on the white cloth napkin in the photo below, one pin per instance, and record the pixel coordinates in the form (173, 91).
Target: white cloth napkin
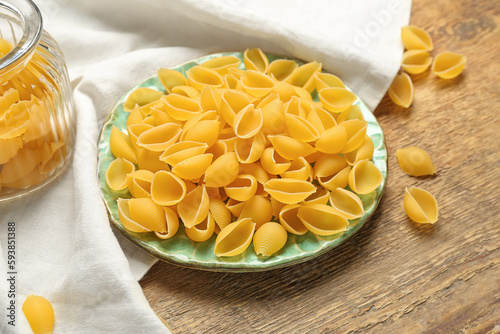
(66, 248)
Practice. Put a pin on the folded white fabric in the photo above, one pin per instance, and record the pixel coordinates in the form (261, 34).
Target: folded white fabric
(66, 248)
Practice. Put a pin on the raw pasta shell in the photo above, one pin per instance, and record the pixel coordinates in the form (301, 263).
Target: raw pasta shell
(39, 313)
(220, 213)
(326, 80)
(248, 122)
(139, 183)
(193, 167)
(186, 91)
(300, 128)
(420, 206)
(273, 163)
(251, 149)
(339, 180)
(416, 61)
(235, 207)
(141, 96)
(200, 77)
(219, 148)
(276, 206)
(205, 131)
(356, 132)
(321, 196)
(232, 101)
(222, 171)
(202, 231)
(194, 207)
(121, 146)
(448, 65)
(289, 219)
(160, 137)
(329, 164)
(135, 130)
(180, 107)
(150, 160)
(148, 214)
(284, 90)
(167, 189)
(256, 171)
(126, 220)
(280, 69)
(290, 148)
(242, 188)
(365, 177)
(353, 113)
(259, 209)
(210, 99)
(256, 60)
(303, 76)
(296, 106)
(335, 99)
(415, 162)
(346, 203)
(116, 174)
(172, 224)
(299, 169)
(415, 38)
(222, 64)
(171, 78)
(332, 140)
(289, 191)
(235, 238)
(322, 219)
(181, 151)
(401, 90)
(273, 114)
(364, 152)
(269, 239)
(257, 84)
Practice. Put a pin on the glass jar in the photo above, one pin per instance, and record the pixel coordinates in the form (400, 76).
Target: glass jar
(37, 126)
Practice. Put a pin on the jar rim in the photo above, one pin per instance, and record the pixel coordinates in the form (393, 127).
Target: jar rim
(31, 22)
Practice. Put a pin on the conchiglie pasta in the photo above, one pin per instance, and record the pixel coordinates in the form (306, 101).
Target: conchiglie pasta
(322, 219)
(290, 221)
(121, 146)
(222, 171)
(336, 99)
(172, 224)
(141, 96)
(269, 239)
(194, 207)
(116, 174)
(416, 61)
(415, 38)
(290, 148)
(364, 177)
(200, 77)
(39, 313)
(420, 206)
(415, 161)
(148, 214)
(235, 238)
(202, 231)
(346, 203)
(289, 191)
(256, 60)
(401, 90)
(259, 209)
(303, 76)
(167, 188)
(171, 78)
(222, 64)
(280, 69)
(448, 65)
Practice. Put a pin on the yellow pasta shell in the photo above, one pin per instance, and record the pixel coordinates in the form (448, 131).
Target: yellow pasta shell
(320, 118)
(303, 76)
(180, 107)
(242, 188)
(200, 77)
(356, 131)
(299, 169)
(181, 151)
(364, 177)
(193, 167)
(186, 91)
(194, 207)
(222, 171)
(296, 106)
(256, 60)
(259, 209)
(222, 64)
(353, 113)
(448, 65)
(167, 189)
(171, 78)
(321, 196)
(202, 231)
(332, 140)
(284, 90)
(415, 161)
(148, 214)
(39, 313)
(300, 128)
(235, 238)
(219, 148)
(220, 213)
(273, 114)
(248, 122)
(121, 146)
(116, 174)
(210, 99)
(280, 69)
(251, 149)
(256, 171)
(160, 137)
(416, 61)
(290, 148)
(205, 131)
(364, 152)
(150, 160)
(232, 102)
(420, 206)
(235, 207)
(329, 164)
(172, 224)
(322, 219)
(289, 191)
(141, 96)
(289, 219)
(273, 163)
(257, 84)
(269, 239)
(126, 220)
(326, 80)
(346, 203)
(135, 130)
(401, 90)
(335, 99)
(415, 38)
(338, 180)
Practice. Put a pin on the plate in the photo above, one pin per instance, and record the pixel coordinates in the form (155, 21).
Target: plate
(180, 250)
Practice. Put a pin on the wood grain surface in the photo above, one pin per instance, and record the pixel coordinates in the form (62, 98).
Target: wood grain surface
(393, 276)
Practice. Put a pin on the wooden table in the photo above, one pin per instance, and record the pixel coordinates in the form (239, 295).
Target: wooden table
(393, 276)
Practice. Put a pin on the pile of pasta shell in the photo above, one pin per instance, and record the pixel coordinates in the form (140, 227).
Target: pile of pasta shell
(243, 153)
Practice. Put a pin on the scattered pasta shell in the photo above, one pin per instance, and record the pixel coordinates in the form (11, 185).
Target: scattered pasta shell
(401, 90)
(248, 122)
(222, 171)
(364, 152)
(171, 78)
(280, 69)
(194, 207)
(322, 219)
(326, 118)
(205, 131)
(200, 77)
(289, 191)
(326, 80)
(222, 64)
(242, 188)
(147, 214)
(303, 76)
(329, 164)
(220, 213)
(256, 60)
(269, 239)
(39, 313)
(420, 206)
(167, 188)
(284, 90)
(139, 183)
(116, 174)
(338, 180)
(172, 224)
(289, 219)
(160, 137)
(210, 115)
(415, 38)
(416, 61)
(235, 238)
(290, 148)
(448, 65)
(210, 99)
(356, 132)
(415, 162)
(193, 167)
(273, 163)
(121, 146)
(180, 107)
(346, 203)
(202, 231)
(135, 130)
(297, 107)
(300, 128)
(257, 84)
(251, 149)
(335, 99)
(126, 220)
(365, 177)
(332, 140)
(321, 196)
(259, 209)
(232, 102)
(181, 151)
(299, 169)
(141, 96)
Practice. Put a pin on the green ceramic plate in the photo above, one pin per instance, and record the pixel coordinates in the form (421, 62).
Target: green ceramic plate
(180, 250)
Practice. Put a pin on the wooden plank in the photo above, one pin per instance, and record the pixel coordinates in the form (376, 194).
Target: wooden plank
(393, 276)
